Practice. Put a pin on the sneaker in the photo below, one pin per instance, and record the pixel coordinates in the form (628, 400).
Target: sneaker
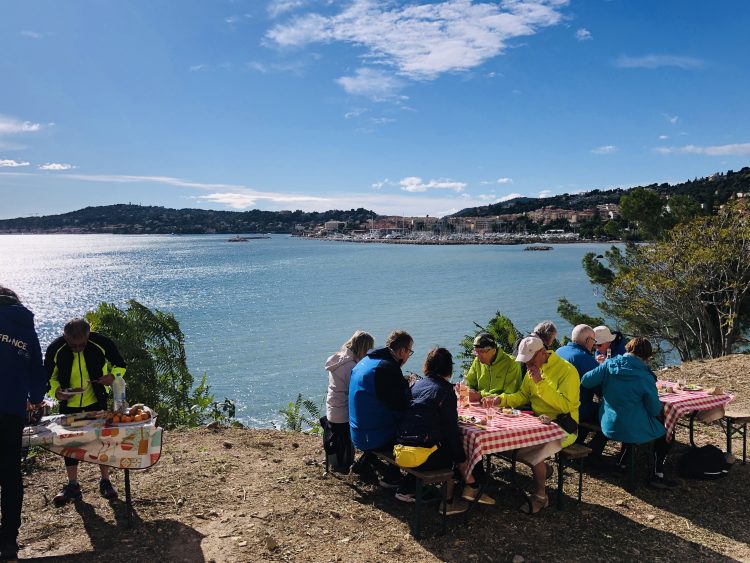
(107, 490)
(662, 483)
(470, 493)
(429, 494)
(453, 507)
(71, 491)
(389, 482)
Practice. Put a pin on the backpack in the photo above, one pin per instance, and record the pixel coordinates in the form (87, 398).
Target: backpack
(707, 463)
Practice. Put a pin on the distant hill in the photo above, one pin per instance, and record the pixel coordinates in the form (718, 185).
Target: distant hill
(713, 190)
(135, 219)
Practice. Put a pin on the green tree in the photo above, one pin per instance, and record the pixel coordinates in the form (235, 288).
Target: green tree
(153, 346)
(499, 326)
(643, 207)
(682, 209)
(691, 289)
(572, 314)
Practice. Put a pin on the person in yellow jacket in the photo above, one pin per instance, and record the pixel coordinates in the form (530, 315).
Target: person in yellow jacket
(492, 372)
(552, 388)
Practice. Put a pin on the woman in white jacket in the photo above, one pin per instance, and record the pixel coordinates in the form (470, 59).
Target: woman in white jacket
(339, 367)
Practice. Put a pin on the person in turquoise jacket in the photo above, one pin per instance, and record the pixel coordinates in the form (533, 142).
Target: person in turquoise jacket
(630, 411)
(492, 372)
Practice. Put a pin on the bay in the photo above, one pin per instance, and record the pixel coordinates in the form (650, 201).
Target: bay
(260, 317)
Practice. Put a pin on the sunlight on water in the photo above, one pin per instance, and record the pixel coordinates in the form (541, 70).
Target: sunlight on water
(261, 317)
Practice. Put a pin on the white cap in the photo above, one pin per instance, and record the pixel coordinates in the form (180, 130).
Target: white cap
(528, 348)
(603, 335)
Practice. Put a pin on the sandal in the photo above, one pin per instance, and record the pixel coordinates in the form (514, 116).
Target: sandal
(536, 502)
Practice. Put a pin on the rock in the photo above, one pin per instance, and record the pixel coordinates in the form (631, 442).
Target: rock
(271, 543)
(180, 501)
(227, 444)
(213, 426)
(650, 517)
(620, 503)
(518, 559)
(295, 445)
(243, 543)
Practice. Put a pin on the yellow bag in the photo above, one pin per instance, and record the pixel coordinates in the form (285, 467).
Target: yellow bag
(411, 456)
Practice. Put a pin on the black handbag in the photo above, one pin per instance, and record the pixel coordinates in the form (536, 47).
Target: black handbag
(567, 423)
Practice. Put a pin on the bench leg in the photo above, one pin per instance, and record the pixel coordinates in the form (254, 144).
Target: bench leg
(416, 526)
(580, 479)
(692, 421)
(560, 479)
(729, 435)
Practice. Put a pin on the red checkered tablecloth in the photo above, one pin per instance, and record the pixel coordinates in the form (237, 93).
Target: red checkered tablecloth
(681, 403)
(505, 433)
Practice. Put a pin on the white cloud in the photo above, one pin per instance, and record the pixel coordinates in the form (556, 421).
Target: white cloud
(509, 197)
(414, 184)
(583, 34)
(374, 83)
(12, 163)
(245, 199)
(545, 193)
(673, 119)
(659, 61)
(279, 7)
(237, 18)
(663, 137)
(196, 68)
(55, 166)
(356, 112)
(32, 34)
(606, 149)
(11, 125)
(740, 149)
(504, 180)
(382, 183)
(423, 41)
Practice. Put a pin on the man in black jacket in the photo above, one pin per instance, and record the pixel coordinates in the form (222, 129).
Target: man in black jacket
(23, 382)
(81, 364)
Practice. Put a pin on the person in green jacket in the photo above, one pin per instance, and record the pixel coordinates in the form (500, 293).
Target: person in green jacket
(492, 372)
(552, 388)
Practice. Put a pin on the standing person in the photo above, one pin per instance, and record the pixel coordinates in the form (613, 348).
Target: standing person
(493, 371)
(88, 360)
(378, 396)
(23, 382)
(630, 411)
(430, 428)
(339, 367)
(552, 388)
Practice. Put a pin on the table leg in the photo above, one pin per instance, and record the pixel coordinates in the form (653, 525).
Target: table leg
(692, 420)
(128, 499)
(729, 435)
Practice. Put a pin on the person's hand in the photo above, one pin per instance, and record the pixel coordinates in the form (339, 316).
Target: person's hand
(474, 396)
(106, 379)
(600, 358)
(535, 373)
(61, 395)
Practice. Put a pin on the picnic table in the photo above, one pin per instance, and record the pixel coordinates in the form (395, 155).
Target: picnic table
(505, 433)
(133, 445)
(684, 402)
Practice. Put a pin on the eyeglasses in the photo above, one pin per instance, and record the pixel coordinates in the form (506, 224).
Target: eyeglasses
(411, 352)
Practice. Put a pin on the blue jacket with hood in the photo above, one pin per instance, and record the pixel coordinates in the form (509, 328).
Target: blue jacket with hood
(584, 361)
(22, 375)
(378, 395)
(630, 406)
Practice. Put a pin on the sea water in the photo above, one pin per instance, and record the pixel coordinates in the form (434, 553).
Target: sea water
(260, 317)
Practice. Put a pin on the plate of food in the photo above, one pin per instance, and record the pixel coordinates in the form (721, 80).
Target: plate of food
(510, 412)
(665, 389)
(692, 387)
(73, 390)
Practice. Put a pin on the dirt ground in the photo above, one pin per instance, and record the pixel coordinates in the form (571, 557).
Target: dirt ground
(239, 495)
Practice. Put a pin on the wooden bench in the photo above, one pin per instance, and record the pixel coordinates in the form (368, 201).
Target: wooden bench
(567, 458)
(441, 476)
(735, 423)
(590, 426)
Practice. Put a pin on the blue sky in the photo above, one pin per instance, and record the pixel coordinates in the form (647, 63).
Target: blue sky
(422, 107)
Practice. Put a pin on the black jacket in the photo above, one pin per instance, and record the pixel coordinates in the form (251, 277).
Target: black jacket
(432, 418)
(99, 351)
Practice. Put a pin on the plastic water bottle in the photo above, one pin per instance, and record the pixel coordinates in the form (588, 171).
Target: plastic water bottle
(609, 353)
(118, 393)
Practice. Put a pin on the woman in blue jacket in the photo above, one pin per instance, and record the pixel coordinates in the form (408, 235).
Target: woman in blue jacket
(631, 411)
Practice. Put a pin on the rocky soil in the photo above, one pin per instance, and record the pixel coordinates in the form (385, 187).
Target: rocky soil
(261, 495)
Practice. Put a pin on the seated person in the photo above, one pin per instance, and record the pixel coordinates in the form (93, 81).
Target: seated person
(630, 410)
(493, 371)
(378, 395)
(608, 340)
(551, 387)
(578, 353)
(546, 330)
(432, 421)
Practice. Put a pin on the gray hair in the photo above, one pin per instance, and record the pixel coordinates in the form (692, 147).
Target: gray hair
(581, 333)
(359, 343)
(77, 327)
(546, 330)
